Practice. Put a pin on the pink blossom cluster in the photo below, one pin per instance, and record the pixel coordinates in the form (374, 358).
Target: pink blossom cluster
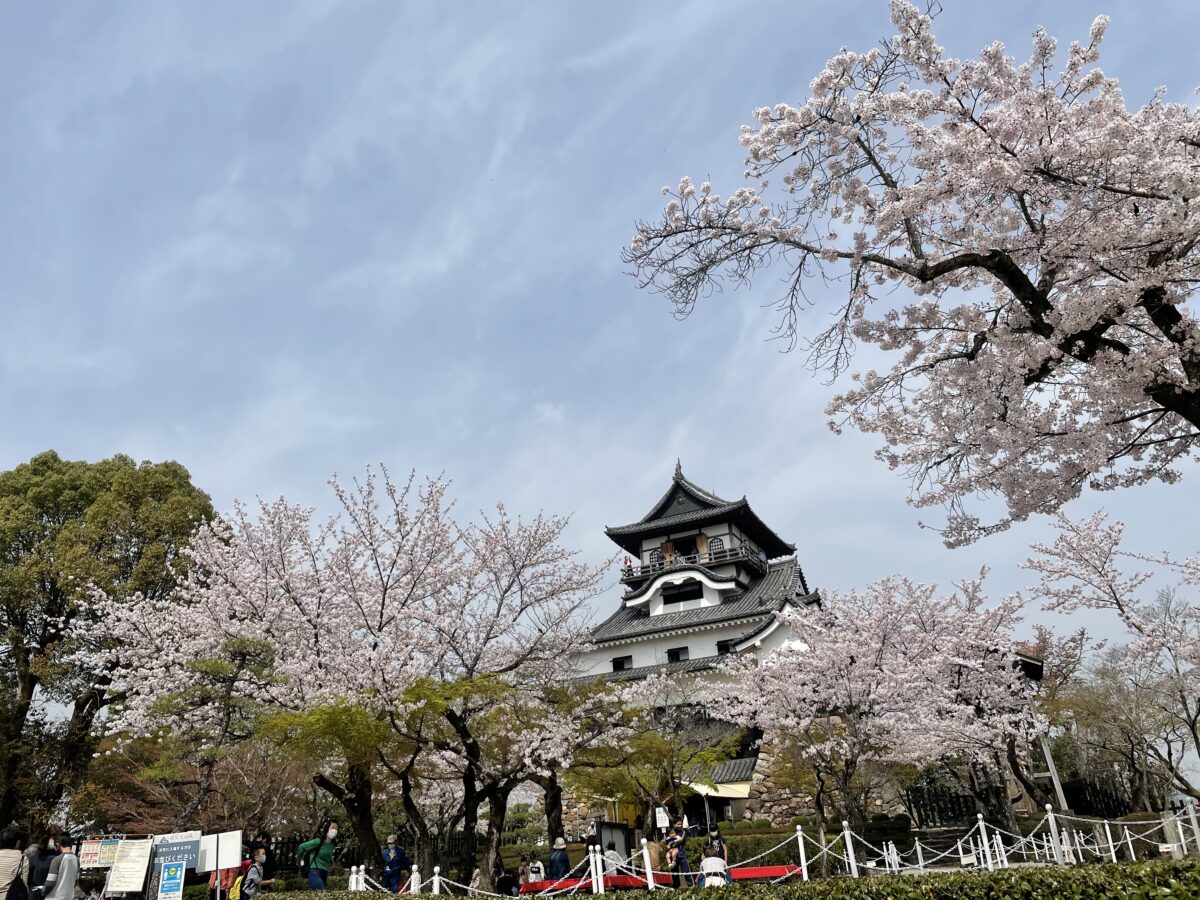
(1045, 239)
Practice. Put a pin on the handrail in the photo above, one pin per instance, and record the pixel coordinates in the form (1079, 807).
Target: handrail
(708, 558)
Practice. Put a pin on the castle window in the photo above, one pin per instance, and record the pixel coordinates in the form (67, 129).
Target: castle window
(678, 654)
(724, 648)
(677, 593)
(656, 558)
(622, 663)
(716, 546)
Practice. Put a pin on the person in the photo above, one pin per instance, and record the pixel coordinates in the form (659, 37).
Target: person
(40, 856)
(64, 872)
(560, 863)
(476, 882)
(537, 872)
(507, 883)
(677, 861)
(253, 882)
(395, 861)
(654, 848)
(612, 859)
(713, 871)
(317, 854)
(717, 842)
(262, 841)
(14, 864)
(523, 870)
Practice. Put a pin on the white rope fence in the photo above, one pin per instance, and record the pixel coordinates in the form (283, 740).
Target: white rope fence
(1058, 839)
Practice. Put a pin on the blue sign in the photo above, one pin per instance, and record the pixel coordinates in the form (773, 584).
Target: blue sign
(185, 852)
(170, 882)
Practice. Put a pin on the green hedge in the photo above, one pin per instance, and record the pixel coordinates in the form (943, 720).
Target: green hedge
(1113, 881)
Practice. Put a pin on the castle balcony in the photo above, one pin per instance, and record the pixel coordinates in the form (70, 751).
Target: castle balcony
(751, 556)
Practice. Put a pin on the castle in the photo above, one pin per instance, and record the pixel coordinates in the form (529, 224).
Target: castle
(704, 577)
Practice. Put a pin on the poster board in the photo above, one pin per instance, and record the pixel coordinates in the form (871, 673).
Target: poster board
(661, 820)
(98, 853)
(170, 881)
(220, 851)
(181, 847)
(128, 871)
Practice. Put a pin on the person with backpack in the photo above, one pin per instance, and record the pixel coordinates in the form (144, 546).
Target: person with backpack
(40, 856)
(14, 864)
(395, 861)
(560, 863)
(254, 881)
(316, 856)
(713, 871)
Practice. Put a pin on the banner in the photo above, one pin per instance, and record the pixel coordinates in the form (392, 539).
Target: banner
(170, 881)
(129, 868)
(660, 817)
(98, 853)
(181, 847)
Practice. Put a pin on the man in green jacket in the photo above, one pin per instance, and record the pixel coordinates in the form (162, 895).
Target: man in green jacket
(317, 854)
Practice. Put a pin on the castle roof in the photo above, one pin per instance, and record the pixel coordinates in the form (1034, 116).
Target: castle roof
(686, 505)
(782, 584)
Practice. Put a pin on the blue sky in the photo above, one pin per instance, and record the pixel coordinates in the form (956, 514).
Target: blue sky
(275, 242)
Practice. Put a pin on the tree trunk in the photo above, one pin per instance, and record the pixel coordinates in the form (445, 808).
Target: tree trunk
(11, 742)
(467, 851)
(77, 747)
(1036, 792)
(497, 813)
(553, 802)
(422, 851)
(356, 800)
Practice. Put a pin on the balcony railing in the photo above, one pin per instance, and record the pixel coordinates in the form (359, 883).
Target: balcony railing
(709, 558)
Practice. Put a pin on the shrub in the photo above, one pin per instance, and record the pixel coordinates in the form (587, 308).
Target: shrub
(1111, 881)
(798, 820)
(901, 822)
(743, 825)
(762, 823)
(725, 825)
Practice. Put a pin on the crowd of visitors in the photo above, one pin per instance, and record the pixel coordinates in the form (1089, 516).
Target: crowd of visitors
(47, 869)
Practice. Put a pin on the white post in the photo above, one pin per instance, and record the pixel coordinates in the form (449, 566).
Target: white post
(1129, 844)
(646, 863)
(414, 881)
(1191, 805)
(1001, 854)
(1054, 839)
(1033, 842)
(1112, 848)
(1079, 845)
(1068, 853)
(983, 839)
(803, 858)
(920, 859)
(353, 885)
(601, 868)
(591, 857)
(437, 879)
(895, 858)
(848, 839)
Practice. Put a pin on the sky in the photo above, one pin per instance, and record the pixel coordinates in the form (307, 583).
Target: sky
(278, 242)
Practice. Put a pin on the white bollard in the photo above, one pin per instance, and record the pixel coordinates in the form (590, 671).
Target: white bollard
(646, 863)
(414, 881)
(920, 858)
(1129, 844)
(1079, 845)
(1001, 855)
(983, 839)
(1055, 842)
(591, 858)
(1112, 848)
(848, 838)
(803, 857)
(601, 868)
(437, 879)
(353, 885)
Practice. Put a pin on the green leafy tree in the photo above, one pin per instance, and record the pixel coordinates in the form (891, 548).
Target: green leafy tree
(66, 525)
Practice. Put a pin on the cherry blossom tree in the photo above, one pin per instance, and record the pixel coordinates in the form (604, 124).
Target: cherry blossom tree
(889, 674)
(1042, 234)
(399, 622)
(1085, 568)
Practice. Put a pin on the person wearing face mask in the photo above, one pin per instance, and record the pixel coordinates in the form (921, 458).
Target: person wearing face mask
(395, 861)
(317, 855)
(253, 883)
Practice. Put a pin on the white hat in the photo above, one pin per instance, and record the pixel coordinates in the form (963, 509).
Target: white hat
(560, 843)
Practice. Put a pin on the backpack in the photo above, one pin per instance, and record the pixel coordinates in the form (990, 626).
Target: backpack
(18, 890)
(235, 892)
(306, 861)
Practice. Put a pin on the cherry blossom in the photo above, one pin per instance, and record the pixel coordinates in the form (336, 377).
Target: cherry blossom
(892, 673)
(1039, 229)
